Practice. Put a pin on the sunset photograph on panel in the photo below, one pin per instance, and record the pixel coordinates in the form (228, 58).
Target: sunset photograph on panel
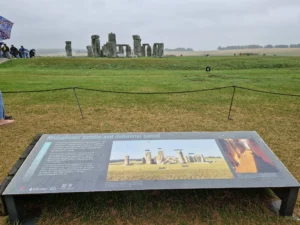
(246, 156)
(167, 160)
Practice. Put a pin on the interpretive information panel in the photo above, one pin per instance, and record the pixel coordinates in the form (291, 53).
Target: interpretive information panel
(62, 163)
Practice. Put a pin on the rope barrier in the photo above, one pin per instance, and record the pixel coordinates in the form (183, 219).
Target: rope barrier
(267, 92)
(152, 93)
(35, 91)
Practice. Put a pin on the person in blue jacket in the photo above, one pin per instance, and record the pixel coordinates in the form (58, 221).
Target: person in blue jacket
(22, 50)
(4, 120)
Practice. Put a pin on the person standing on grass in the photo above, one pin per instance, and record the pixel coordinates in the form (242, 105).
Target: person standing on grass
(32, 53)
(6, 52)
(26, 53)
(4, 120)
(14, 51)
(22, 50)
(1, 53)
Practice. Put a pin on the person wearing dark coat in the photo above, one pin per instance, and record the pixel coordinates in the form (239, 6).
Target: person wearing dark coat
(32, 53)
(14, 51)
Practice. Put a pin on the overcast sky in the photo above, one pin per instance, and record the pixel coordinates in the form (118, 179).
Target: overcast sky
(136, 149)
(199, 24)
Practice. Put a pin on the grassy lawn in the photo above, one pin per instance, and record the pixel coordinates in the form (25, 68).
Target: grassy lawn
(275, 118)
(119, 172)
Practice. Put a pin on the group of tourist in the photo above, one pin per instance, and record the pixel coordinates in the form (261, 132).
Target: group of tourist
(14, 53)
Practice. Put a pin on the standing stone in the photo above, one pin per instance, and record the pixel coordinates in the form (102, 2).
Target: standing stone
(186, 159)
(155, 50)
(199, 158)
(89, 51)
(196, 158)
(112, 39)
(149, 51)
(160, 157)
(191, 159)
(137, 45)
(128, 50)
(143, 50)
(121, 49)
(96, 45)
(148, 158)
(104, 51)
(110, 49)
(161, 49)
(68, 48)
(126, 160)
(180, 156)
(153, 161)
(202, 158)
(143, 160)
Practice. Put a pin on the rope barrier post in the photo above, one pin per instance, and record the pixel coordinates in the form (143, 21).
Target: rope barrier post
(78, 103)
(230, 108)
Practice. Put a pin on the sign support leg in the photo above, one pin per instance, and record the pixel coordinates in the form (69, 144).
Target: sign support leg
(288, 198)
(14, 208)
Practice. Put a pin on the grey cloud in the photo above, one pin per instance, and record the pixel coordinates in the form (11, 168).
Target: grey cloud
(200, 24)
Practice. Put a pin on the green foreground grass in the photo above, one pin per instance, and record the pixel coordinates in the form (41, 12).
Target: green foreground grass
(275, 118)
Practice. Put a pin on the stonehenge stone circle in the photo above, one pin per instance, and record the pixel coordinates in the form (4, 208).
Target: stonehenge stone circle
(111, 48)
(96, 45)
(89, 50)
(68, 48)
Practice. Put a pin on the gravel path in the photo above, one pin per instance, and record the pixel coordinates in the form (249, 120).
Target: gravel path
(3, 60)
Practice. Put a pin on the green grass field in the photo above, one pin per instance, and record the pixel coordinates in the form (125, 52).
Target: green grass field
(275, 118)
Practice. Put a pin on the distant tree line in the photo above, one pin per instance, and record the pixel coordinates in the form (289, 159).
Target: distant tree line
(233, 47)
(179, 49)
(257, 46)
(295, 46)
